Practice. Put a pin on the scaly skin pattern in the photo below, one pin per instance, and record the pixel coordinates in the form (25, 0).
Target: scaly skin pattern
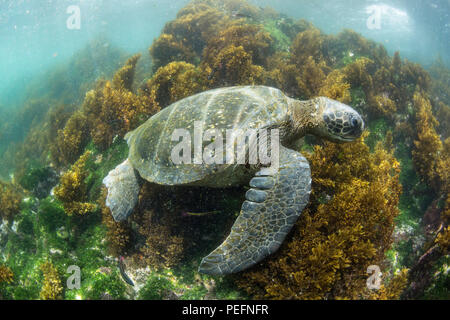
(272, 206)
(123, 190)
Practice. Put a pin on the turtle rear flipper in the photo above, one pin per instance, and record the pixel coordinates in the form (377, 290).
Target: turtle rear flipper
(123, 190)
(273, 204)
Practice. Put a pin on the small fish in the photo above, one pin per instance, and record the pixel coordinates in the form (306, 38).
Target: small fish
(199, 214)
(237, 14)
(125, 277)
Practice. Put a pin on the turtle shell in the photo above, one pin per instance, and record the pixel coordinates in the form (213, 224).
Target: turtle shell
(243, 107)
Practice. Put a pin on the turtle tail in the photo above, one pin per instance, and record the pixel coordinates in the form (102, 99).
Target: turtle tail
(123, 190)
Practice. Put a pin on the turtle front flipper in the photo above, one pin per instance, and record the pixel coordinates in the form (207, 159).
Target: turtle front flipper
(274, 202)
(123, 190)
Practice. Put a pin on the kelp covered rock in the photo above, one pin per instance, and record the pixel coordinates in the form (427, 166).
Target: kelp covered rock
(71, 141)
(167, 48)
(123, 79)
(52, 288)
(163, 248)
(184, 38)
(39, 181)
(394, 289)
(109, 110)
(72, 190)
(443, 238)
(254, 40)
(350, 44)
(10, 198)
(113, 109)
(167, 230)
(6, 275)
(308, 43)
(428, 276)
(237, 55)
(428, 146)
(234, 66)
(336, 87)
(173, 82)
(118, 235)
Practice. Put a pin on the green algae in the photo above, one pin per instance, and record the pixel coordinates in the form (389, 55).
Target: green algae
(36, 241)
(100, 163)
(156, 288)
(282, 41)
(378, 129)
(440, 286)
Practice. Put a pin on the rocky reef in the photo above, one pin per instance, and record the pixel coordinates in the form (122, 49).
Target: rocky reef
(381, 200)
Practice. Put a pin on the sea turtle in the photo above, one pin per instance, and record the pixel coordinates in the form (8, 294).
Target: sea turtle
(276, 196)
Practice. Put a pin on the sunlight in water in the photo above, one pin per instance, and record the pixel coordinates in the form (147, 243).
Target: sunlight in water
(385, 16)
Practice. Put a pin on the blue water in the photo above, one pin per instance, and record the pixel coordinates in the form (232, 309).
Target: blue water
(34, 36)
(419, 29)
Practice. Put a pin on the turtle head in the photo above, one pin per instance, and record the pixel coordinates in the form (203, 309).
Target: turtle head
(337, 121)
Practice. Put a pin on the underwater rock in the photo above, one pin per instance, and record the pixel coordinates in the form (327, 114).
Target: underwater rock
(10, 199)
(421, 273)
(402, 233)
(71, 140)
(162, 247)
(40, 181)
(167, 49)
(52, 288)
(4, 232)
(72, 189)
(173, 82)
(432, 218)
(6, 275)
(106, 296)
(118, 235)
(427, 143)
(210, 286)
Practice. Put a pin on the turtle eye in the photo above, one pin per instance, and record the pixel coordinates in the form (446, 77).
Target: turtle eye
(356, 125)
